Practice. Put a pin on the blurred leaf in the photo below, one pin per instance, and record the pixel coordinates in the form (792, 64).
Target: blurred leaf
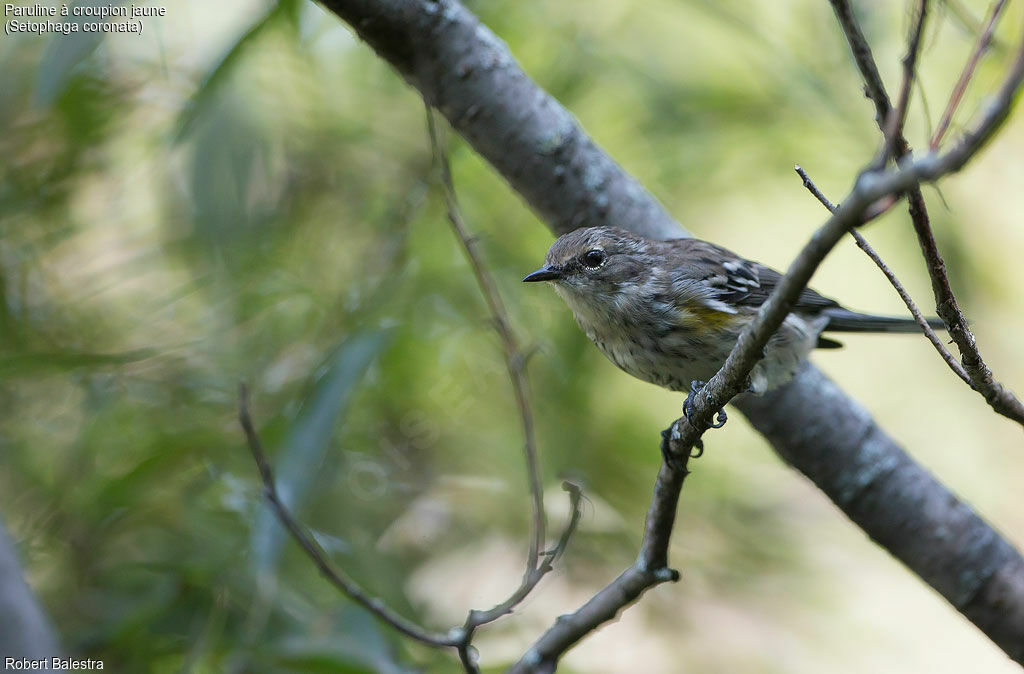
(22, 364)
(228, 155)
(303, 454)
(282, 10)
(63, 54)
(87, 106)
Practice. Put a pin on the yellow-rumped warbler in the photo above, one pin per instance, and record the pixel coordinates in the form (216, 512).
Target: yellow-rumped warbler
(669, 312)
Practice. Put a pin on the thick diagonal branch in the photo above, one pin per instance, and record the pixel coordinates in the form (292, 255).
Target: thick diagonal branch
(467, 73)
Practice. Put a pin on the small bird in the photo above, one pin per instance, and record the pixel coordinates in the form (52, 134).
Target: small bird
(669, 312)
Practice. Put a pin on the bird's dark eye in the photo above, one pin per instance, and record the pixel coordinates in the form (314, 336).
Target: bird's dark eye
(593, 259)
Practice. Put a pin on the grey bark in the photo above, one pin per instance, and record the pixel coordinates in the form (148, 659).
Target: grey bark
(25, 631)
(898, 503)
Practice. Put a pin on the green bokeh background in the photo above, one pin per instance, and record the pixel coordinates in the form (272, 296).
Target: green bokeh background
(244, 193)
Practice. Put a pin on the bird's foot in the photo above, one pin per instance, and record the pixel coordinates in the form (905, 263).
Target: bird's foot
(720, 417)
(672, 459)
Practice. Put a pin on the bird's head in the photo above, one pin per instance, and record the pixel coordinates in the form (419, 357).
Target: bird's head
(595, 262)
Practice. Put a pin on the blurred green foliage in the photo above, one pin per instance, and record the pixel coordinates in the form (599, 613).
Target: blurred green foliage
(245, 194)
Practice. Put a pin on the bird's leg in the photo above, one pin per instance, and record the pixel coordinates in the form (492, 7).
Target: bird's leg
(670, 457)
(695, 387)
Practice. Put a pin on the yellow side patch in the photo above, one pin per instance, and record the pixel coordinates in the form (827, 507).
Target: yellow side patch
(706, 318)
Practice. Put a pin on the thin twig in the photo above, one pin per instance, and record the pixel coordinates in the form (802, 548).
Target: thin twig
(889, 274)
(514, 362)
(970, 24)
(896, 117)
(477, 618)
(958, 369)
(984, 40)
(873, 86)
(813, 189)
(346, 585)
(575, 513)
(1001, 399)
(925, 108)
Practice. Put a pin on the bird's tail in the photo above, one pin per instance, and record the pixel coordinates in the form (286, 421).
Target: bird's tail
(843, 320)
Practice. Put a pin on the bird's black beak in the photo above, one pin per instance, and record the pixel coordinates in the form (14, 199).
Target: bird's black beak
(545, 273)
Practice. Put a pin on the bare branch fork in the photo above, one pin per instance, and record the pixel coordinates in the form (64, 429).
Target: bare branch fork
(539, 562)
(871, 186)
(459, 638)
(319, 556)
(1001, 399)
(863, 244)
